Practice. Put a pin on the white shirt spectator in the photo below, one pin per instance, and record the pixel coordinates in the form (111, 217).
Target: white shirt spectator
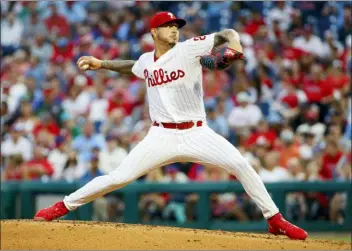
(43, 52)
(79, 105)
(58, 160)
(23, 146)
(282, 15)
(98, 110)
(180, 178)
(278, 174)
(245, 116)
(11, 34)
(313, 45)
(17, 91)
(318, 130)
(109, 161)
(73, 173)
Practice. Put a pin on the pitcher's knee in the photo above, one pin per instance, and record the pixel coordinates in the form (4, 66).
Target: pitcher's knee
(120, 179)
(239, 164)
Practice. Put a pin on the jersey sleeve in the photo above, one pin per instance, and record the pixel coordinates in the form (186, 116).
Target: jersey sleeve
(199, 46)
(137, 69)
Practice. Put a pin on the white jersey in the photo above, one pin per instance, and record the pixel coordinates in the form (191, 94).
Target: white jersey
(174, 81)
(175, 94)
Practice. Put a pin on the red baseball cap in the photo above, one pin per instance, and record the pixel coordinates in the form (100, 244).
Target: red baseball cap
(165, 17)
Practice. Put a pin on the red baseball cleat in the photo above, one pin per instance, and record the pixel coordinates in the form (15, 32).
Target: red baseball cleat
(51, 213)
(279, 226)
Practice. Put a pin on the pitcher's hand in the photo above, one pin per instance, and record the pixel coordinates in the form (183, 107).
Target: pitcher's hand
(89, 63)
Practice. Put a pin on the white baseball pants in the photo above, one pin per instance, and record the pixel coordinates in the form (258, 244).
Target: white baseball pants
(163, 146)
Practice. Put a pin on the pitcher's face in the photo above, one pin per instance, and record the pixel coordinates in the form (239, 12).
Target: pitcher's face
(167, 33)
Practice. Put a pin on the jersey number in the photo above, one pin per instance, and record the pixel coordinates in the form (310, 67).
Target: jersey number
(199, 38)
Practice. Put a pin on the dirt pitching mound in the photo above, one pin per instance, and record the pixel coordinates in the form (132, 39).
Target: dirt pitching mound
(27, 234)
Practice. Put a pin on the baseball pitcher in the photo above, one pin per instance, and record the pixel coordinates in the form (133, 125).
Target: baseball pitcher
(179, 133)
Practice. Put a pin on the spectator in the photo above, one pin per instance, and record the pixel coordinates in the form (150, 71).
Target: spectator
(93, 171)
(332, 47)
(84, 144)
(16, 143)
(5, 117)
(34, 27)
(239, 119)
(295, 169)
(63, 50)
(57, 24)
(311, 116)
(11, 34)
(309, 42)
(41, 48)
(339, 82)
(315, 85)
(306, 149)
(217, 123)
(98, 108)
(79, 97)
(261, 149)
(282, 12)
(13, 168)
(52, 99)
(345, 29)
(58, 157)
(331, 157)
(47, 123)
(289, 101)
(117, 123)
(289, 148)
(111, 158)
(75, 12)
(27, 118)
(72, 170)
(262, 130)
(39, 166)
(272, 172)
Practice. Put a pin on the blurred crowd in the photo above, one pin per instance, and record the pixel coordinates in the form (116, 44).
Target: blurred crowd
(287, 107)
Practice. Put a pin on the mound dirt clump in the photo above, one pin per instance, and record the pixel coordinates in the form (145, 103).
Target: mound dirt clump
(68, 235)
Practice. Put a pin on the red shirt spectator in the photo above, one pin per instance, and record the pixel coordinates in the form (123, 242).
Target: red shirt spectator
(331, 157)
(48, 124)
(214, 82)
(120, 100)
(337, 80)
(63, 51)
(38, 166)
(106, 51)
(57, 23)
(292, 53)
(263, 131)
(290, 99)
(315, 89)
(252, 26)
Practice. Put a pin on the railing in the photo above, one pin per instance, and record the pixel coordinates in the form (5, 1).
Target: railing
(27, 191)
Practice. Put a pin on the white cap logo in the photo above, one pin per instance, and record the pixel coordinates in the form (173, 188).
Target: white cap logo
(171, 15)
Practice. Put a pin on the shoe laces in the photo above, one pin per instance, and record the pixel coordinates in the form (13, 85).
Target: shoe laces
(56, 210)
(284, 224)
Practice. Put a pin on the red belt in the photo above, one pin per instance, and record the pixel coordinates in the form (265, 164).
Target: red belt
(180, 126)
